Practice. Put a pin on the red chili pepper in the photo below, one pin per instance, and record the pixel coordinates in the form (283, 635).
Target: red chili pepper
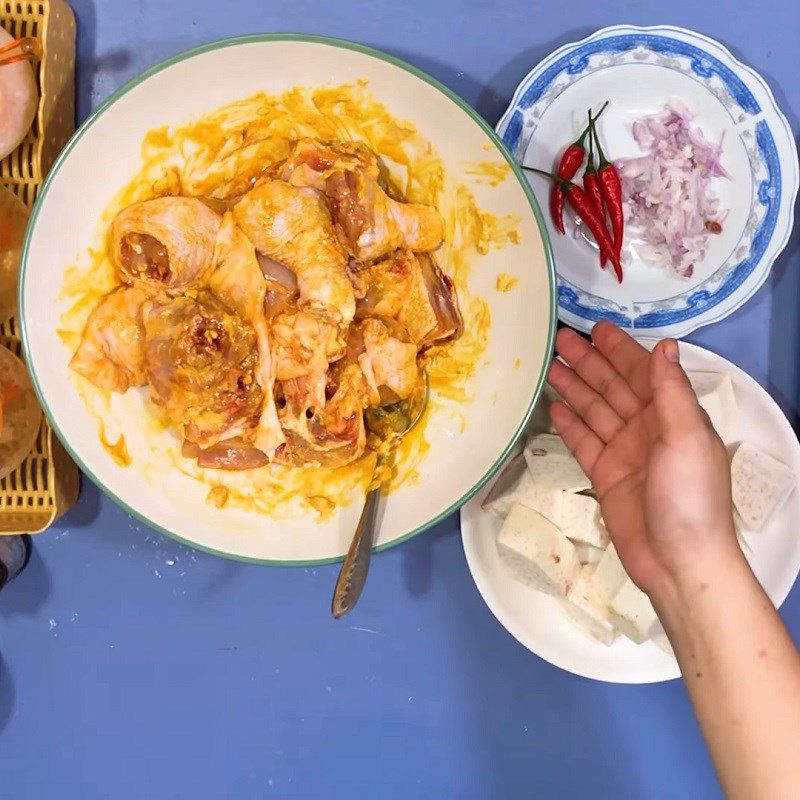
(592, 187)
(557, 207)
(611, 189)
(569, 164)
(584, 206)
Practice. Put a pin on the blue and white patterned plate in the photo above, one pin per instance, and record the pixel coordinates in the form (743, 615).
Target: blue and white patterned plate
(639, 70)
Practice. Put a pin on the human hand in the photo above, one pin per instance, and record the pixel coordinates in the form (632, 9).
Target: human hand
(660, 471)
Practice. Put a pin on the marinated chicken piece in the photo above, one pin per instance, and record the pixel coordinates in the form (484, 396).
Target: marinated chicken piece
(414, 291)
(230, 454)
(439, 296)
(238, 281)
(293, 226)
(303, 342)
(237, 278)
(387, 359)
(304, 397)
(282, 290)
(334, 434)
(354, 270)
(312, 161)
(372, 223)
(111, 353)
(277, 300)
(201, 363)
(388, 285)
(240, 314)
(344, 412)
(392, 359)
(166, 243)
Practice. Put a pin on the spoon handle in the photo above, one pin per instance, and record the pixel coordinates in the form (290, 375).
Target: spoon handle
(353, 574)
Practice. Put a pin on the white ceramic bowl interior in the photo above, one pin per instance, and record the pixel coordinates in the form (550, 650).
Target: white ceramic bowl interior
(103, 156)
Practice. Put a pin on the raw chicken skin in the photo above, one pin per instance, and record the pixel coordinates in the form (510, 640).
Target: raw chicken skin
(303, 342)
(311, 162)
(293, 226)
(343, 417)
(111, 353)
(166, 243)
(389, 361)
(372, 223)
(237, 280)
(389, 285)
(413, 291)
(201, 362)
(375, 224)
(332, 435)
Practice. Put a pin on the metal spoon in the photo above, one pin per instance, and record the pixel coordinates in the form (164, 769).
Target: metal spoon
(390, 424)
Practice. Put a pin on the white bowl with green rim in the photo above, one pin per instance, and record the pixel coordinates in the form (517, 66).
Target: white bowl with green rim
(105, 153)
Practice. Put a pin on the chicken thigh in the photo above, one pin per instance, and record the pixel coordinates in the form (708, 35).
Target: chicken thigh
(201, 363)
(111, 352)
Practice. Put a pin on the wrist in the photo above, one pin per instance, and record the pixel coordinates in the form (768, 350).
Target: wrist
(700, 578)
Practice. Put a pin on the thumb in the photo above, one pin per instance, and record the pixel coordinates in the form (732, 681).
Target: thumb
(678, 412)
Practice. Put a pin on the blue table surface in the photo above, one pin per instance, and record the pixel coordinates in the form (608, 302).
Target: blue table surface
(133, 667)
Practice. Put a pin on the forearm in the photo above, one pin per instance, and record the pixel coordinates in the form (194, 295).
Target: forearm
(742, 672)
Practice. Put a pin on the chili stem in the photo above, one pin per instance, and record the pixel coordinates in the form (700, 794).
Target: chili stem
(601, 156)
(579, 142)
(564, 184)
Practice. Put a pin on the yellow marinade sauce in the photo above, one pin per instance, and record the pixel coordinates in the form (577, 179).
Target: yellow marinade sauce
(505, 282)
(492, 173)
(219, 155)
(118, 451)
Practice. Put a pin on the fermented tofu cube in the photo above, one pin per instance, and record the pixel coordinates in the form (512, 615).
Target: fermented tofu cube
(581, 520)
(588, 554)
(508, 486)
(587, 611)
(662, 643)
(553, 466)
(715, 394)
(546, 501)
(633, 614)
(760, 484)
(516, 485)
(609, 576)
(537, 552)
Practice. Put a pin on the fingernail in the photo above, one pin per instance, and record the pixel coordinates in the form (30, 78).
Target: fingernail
(671, 351)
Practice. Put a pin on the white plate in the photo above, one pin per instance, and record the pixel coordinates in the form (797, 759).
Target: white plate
(101, 159)
(537, 621)
(638, 70)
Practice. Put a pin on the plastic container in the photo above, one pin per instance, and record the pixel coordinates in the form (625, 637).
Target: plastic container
(13, 219)
(20, 414)
(45, 484)
(19, 97)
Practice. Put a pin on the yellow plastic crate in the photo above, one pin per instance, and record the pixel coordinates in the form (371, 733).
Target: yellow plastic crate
(45, 485)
